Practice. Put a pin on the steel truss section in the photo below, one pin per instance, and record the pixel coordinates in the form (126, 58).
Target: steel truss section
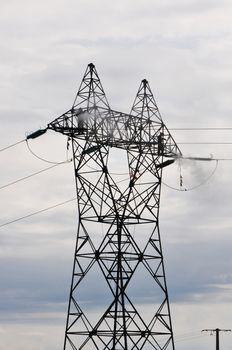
(118, 298)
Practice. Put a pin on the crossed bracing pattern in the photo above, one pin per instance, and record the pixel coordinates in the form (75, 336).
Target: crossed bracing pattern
(118, 255)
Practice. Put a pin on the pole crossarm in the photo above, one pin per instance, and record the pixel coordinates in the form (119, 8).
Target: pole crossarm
(217, 332)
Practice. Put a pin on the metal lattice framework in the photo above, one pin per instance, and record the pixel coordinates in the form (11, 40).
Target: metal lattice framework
(118, 260)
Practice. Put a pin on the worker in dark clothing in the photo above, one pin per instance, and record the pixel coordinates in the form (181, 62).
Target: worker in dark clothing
(160, 144)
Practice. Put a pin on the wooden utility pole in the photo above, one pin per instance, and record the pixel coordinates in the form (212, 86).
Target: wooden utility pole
(217, 331)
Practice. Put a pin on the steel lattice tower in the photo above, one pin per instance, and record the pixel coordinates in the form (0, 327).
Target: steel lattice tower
(118, 247)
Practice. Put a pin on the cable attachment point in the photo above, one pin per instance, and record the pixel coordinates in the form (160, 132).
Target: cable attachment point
(37, 133)
(68, 143)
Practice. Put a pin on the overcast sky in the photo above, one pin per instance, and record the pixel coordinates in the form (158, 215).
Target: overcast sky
(184, 49)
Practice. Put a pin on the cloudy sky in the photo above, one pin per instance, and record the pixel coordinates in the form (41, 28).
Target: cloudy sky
(183, 48)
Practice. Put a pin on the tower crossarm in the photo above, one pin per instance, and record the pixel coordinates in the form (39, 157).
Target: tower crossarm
(107, 127)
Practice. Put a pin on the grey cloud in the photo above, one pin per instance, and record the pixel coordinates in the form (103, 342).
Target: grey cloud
(199, 269)
(34, 285)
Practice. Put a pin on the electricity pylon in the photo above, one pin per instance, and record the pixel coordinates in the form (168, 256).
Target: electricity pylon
(118, 297)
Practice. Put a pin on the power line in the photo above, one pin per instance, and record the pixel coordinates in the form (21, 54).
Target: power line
(179, 143)
(204, 143)
(177, 340)
(29, 176)
(56, 164)
(203, 159)
(14, 144)
(203, 129)
(43, 159)
(37, 212)
(178, 128)
(194, 187)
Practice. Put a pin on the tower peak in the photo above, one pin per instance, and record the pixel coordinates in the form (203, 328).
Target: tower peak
(91, 92)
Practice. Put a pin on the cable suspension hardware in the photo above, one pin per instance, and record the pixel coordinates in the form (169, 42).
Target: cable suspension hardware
(36, 134)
